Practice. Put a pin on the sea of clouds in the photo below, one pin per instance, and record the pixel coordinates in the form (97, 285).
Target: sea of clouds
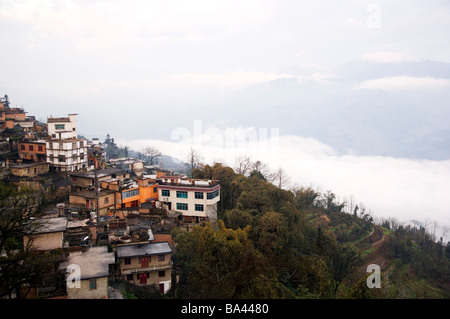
(400, 188)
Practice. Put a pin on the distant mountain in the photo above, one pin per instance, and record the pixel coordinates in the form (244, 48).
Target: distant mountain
(358, 71)
(347, 118)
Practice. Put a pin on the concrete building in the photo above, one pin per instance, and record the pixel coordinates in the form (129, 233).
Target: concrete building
(62, 127)
(33, 151)
(87, 273)
(47, 234)
(194, 199)
(85, 180)
(67, 155)
(29, 169)
(146, 264)
(86, 200)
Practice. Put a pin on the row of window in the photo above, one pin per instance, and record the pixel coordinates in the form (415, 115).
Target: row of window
(147, 259)
(61, 144)
(130, 193)
(184, 194)
(212, 195)
(130, 277)
(183, 206)
(40, 148)
(62, 158)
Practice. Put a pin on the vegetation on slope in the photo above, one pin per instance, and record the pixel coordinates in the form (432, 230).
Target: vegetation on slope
(276, 243)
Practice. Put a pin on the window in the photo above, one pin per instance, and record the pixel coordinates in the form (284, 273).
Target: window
(161, 273)
(198, 195)
(161, 257)
(40, 148)
(182, 194)
(92, 284)
(199, 207)
(30, 148)
(59, 126)
(61, 158)
(130, 277)
(165, 192)
(182, 206)
(106, 200)
(130, 193)
(155, 189)
(127, 261)
(212, 194)
(22, 147)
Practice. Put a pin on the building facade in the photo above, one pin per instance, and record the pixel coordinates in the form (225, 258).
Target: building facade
(196, 200)
(146, 264)
(29, 169)
(87, 200)
(62, 127)
(67, 155)
(33, 151)
(87, 273)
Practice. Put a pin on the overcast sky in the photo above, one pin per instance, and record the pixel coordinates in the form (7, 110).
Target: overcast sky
(122, 64)
(54, 50)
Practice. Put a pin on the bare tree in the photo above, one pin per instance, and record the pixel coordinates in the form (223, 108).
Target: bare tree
(152, 154)
(243, 164)
(193, 159)
(281, 178)
(261, 168)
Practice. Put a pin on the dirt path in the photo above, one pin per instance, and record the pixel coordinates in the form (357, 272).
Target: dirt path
(375, 257)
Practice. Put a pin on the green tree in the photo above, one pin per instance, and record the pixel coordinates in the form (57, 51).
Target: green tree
(219, 262)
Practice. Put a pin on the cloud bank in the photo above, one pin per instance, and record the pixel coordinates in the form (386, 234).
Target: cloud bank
(403, 188)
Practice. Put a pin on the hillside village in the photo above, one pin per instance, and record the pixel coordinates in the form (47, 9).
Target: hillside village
(107, 219)
(81, 219)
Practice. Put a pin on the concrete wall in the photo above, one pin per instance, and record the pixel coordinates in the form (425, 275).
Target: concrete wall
(28, 170)
(84, 292)
(46, 241)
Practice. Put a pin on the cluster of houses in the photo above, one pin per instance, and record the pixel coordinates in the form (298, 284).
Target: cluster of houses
(112, 219)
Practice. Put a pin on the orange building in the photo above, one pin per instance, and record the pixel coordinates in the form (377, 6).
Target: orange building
(33, 151)
(145, 192)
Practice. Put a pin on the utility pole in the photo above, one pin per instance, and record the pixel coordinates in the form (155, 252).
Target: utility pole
(96, 197)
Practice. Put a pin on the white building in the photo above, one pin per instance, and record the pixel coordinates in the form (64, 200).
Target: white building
(195, 199)
(62, 127)
(65, 152)
(67, 155)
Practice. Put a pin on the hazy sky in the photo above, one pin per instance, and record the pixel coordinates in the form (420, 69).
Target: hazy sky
(105, 54)
(128, 64)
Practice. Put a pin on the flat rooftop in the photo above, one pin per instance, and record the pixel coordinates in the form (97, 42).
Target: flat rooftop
(143, 250)
(93, 263)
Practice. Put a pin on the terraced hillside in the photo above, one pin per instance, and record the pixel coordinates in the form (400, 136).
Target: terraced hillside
(411, 266)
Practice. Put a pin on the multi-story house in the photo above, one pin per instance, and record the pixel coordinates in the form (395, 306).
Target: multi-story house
(65, 152)
(67, 155)
(195, 199)
(33, 151)
(146, 264)
(87, 200)
(132, 193)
